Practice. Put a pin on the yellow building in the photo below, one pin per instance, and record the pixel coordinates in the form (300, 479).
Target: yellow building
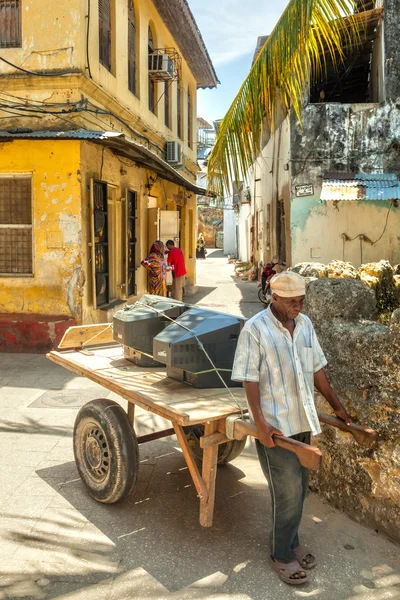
(97, 156)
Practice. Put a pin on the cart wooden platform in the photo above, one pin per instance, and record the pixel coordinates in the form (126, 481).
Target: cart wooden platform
(207, 422)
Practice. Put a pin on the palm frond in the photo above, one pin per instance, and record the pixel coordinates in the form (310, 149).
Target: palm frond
(293, 55)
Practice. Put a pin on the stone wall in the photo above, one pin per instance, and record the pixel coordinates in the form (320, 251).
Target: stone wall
(364, 369)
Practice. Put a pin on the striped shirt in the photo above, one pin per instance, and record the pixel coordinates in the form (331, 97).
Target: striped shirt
(284, 367)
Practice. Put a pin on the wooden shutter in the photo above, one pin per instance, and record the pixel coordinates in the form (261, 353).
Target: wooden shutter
(10, 23)
(131, 241)
(178, 109)
(189, 109)
(131, 47)
(100, 246)
(167, 118)
(105, 33)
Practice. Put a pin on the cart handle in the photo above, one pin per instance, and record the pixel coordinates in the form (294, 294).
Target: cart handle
(309, 456)
(365, 436)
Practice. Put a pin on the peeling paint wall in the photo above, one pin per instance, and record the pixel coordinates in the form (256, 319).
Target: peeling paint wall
(270, 198)
(55, 40)
(57, 242)
(339, 137)
(122, 173)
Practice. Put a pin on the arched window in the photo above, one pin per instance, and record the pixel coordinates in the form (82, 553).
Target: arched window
(105, 33)
(189, 116)
(131, 47)
(152, 84)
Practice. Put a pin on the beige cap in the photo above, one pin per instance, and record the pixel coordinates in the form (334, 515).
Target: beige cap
(288, 285)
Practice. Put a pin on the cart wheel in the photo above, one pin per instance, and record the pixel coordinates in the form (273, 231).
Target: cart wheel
(106, 450)
(226, 452)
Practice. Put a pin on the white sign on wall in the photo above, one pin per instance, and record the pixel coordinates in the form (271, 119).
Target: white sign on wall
(304, 190)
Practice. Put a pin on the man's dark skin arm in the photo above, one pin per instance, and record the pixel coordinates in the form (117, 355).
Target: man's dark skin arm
(264, 429)
(323, 386)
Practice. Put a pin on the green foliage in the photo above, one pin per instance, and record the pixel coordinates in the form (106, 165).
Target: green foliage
(293, 54)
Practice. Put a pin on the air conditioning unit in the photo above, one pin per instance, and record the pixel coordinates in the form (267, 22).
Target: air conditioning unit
(174, 153)
(161, 66)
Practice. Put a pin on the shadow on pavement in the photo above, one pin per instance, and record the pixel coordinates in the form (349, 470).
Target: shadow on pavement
(155, 529)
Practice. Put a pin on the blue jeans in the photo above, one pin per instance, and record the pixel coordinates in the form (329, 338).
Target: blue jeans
(288, 483)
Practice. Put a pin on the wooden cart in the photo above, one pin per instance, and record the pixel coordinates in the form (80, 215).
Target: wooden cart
(208, 423)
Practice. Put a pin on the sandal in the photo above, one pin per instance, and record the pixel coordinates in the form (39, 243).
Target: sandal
(291, 573)
(305, 558)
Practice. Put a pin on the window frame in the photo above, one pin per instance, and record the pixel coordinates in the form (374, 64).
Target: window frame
(179, 109)
(189, 121)
(152, 85)
(22, 226)
(17, 43)
(116, 239)
(133, 78)
(167, 104)
(102, 59)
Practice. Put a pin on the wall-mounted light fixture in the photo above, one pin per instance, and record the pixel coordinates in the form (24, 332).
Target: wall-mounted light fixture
(150, 182)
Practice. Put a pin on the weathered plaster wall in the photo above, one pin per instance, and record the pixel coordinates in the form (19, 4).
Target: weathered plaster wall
(244, 225)
(54, 287)
(339, 137)
(364, 369)
(230, 234)
(121, 173)
(55, 40)
(269, 182)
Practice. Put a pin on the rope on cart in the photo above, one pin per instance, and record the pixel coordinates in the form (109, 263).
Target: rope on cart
(201, 346)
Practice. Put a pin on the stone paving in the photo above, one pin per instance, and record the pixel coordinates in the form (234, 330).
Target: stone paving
(57, 542)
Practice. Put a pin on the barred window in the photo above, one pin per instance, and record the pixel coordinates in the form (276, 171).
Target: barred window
(10, 23)
(16, 225)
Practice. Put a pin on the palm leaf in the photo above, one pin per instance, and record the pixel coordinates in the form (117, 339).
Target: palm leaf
(293, 55)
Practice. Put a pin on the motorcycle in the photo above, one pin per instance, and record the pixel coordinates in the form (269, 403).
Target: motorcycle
(268, 272)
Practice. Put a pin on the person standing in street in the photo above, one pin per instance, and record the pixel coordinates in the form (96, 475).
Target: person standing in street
(177, 261)
(280, 360)
(156, 266)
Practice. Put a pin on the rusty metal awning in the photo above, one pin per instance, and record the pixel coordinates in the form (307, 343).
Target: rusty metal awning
(360, 186)
(121, 145)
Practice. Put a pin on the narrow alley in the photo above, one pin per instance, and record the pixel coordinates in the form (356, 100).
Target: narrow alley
(57, 542)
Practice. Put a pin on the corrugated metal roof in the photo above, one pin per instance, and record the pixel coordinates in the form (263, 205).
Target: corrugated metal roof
(142, 156)
(362, 186)
(78, 134)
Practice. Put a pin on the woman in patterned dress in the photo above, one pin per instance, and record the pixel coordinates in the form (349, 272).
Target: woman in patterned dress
(157, 268)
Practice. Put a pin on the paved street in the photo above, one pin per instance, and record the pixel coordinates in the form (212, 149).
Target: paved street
(57, 542)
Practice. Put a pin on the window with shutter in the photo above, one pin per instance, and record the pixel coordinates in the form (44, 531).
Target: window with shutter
(105, 33)
(130, 258)
(100, 244)
(16, 225)
(131, 47)
(167, 115)
(189, 123)
(179, 109)
(152, 84)
(10, 23)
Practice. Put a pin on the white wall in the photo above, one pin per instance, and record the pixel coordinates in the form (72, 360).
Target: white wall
(230, 246)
